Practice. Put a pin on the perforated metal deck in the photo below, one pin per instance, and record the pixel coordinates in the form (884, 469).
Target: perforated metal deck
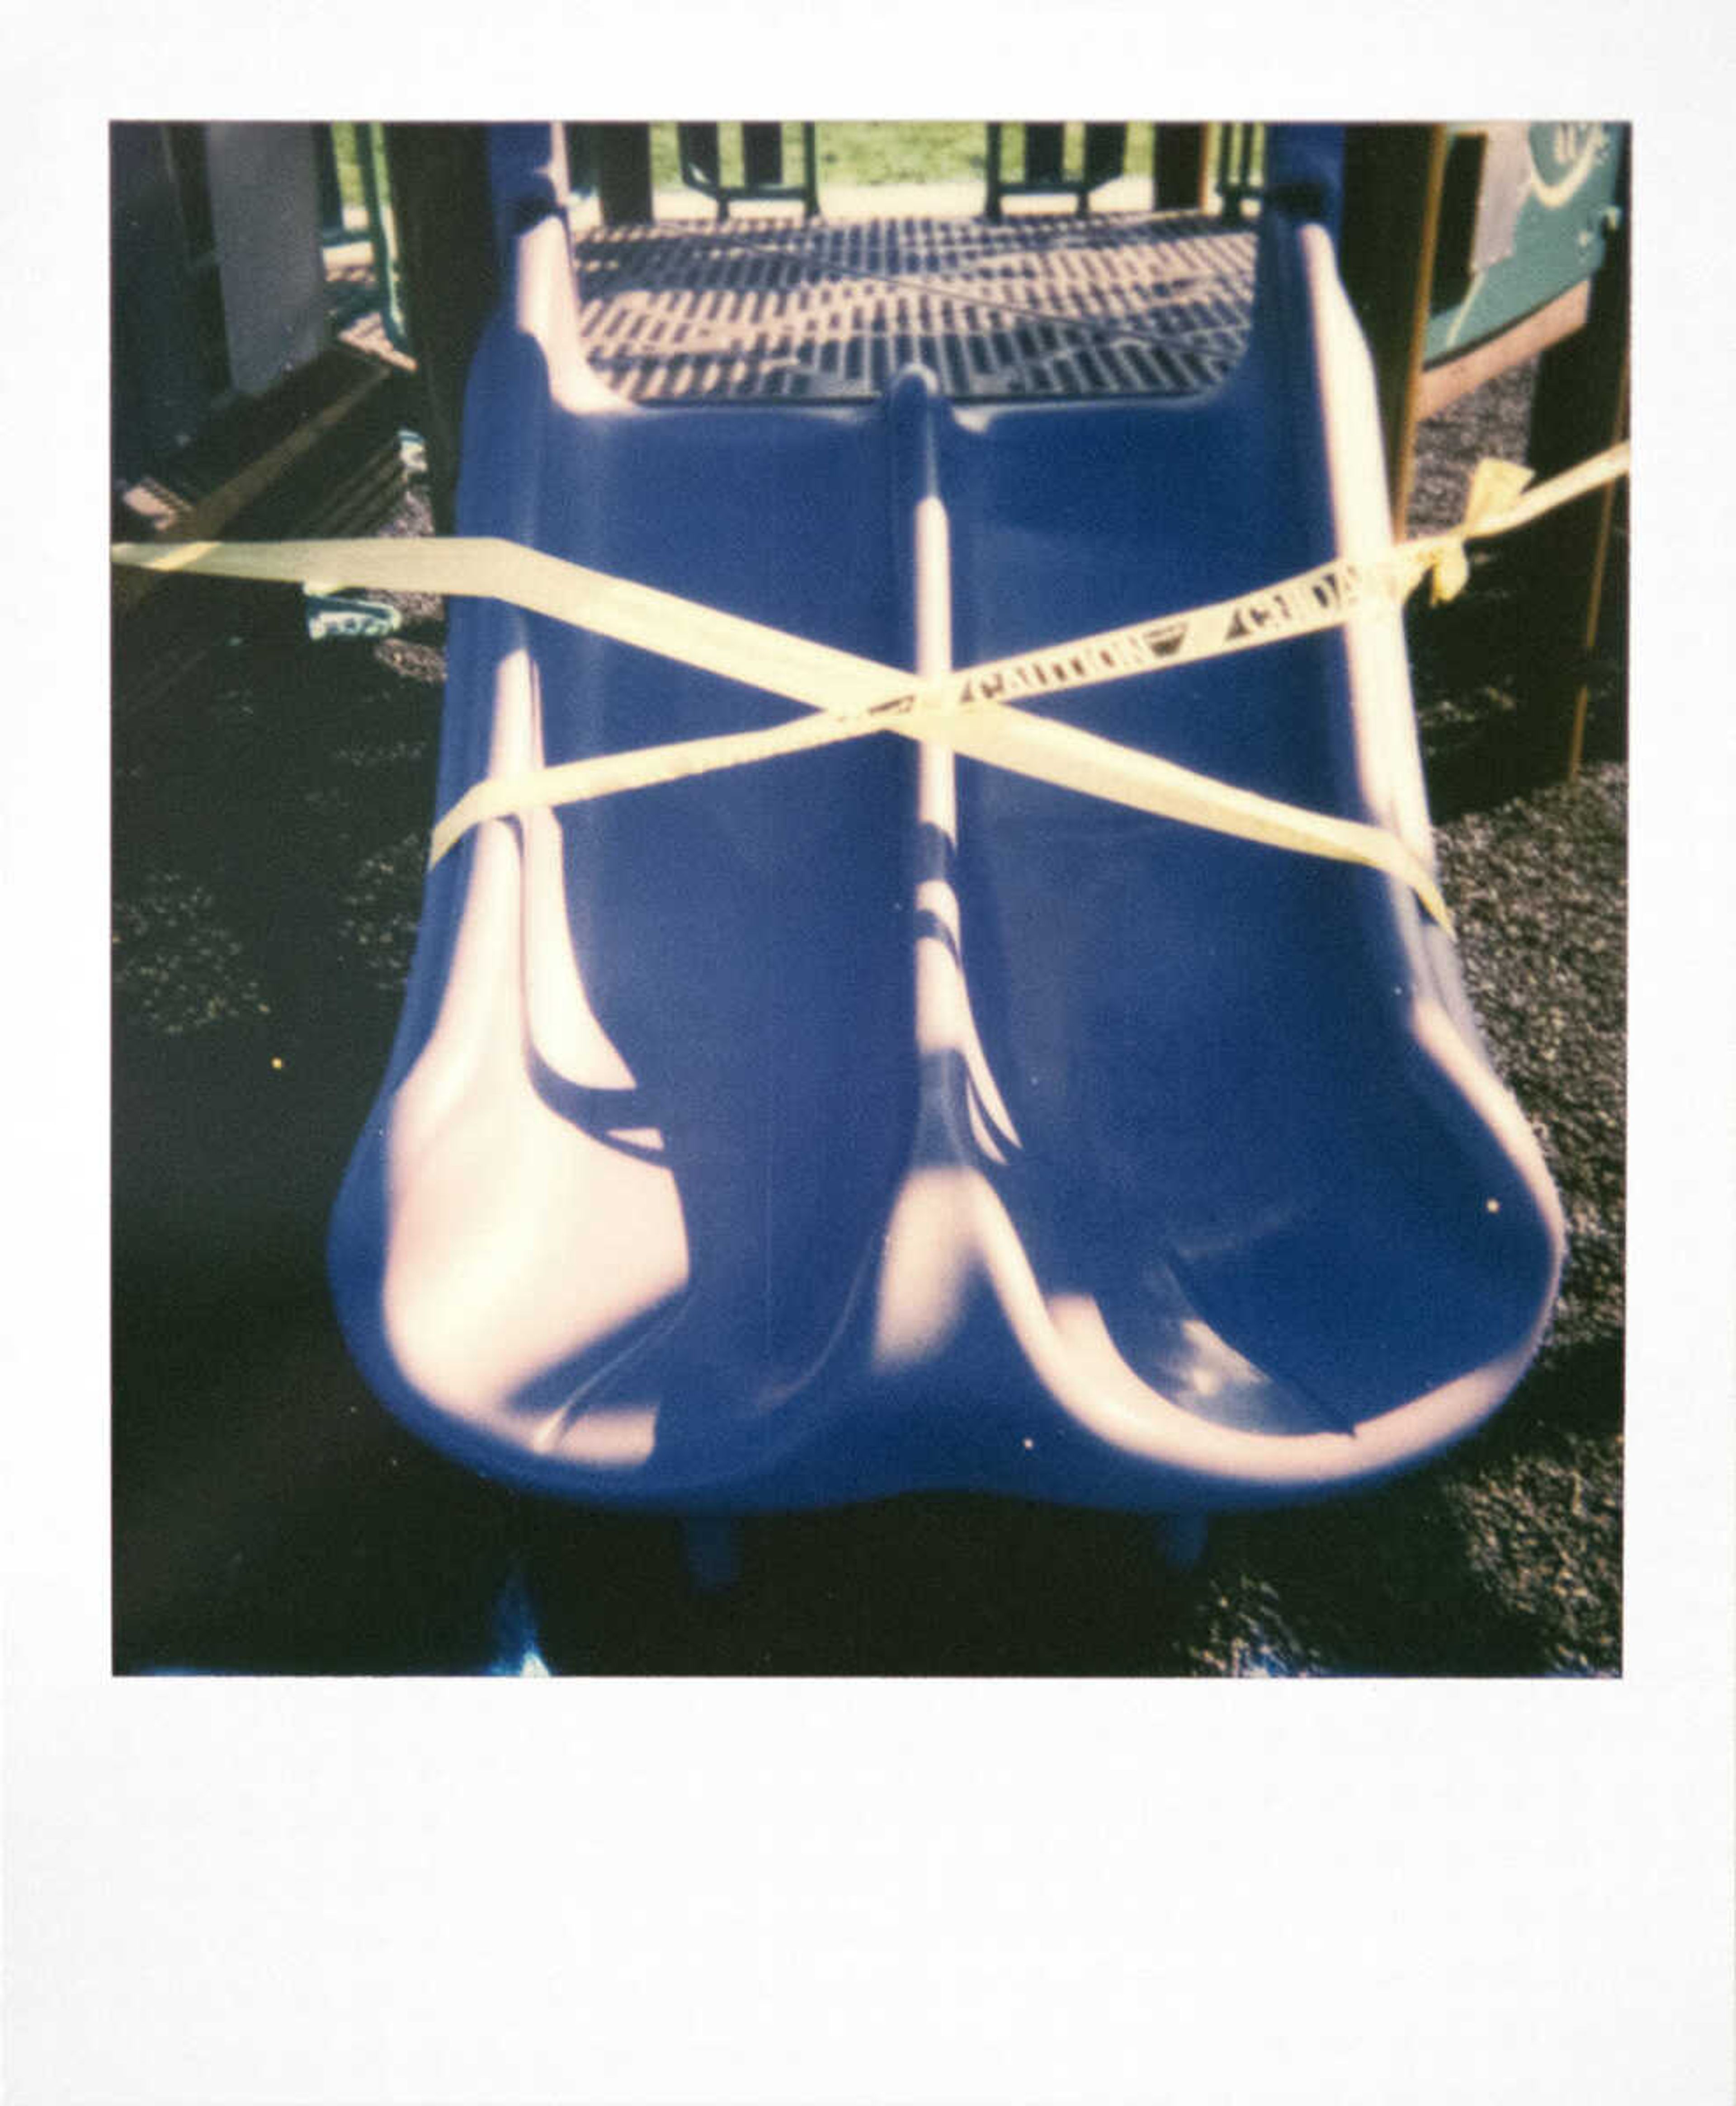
(1131, 304)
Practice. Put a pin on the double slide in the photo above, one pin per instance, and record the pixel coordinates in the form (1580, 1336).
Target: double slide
(876, 1117)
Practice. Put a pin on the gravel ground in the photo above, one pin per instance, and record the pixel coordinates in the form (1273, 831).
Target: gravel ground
(269, 834)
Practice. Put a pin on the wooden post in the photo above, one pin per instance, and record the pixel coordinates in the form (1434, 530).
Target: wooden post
(1045, 154)
(762, 155)
(1235, 170)
(1392, 177)
(1588, 633)
(1580, 407)
(445, 218)
(331, 192)
(1178, 170)
(992, 206)
(624, 172)
(1105, 157)
(810, 163)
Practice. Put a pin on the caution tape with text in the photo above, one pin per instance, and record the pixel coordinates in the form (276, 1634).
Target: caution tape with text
(975, 711)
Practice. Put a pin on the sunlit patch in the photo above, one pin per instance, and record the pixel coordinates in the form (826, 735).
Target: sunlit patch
(980, 1130)
(616, 1435)
(928, 1264)
(515, 1634)
(638, 1136)
(1211, 1362)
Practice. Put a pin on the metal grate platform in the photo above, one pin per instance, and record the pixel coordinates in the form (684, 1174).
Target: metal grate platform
(1132, 304)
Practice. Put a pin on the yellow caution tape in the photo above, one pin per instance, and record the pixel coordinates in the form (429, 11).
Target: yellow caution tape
(972, 711)
(1495, 485)
(855, 696)
(484, 567)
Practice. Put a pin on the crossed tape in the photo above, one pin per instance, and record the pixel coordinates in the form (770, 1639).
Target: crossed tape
(974, 712)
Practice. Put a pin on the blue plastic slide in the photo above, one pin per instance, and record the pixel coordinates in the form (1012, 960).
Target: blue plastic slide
(873, 1119)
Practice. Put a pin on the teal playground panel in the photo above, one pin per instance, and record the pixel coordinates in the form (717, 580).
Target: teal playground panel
(1526, 214)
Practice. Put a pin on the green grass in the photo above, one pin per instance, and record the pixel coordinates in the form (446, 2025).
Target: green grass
(349, 165)
(855, 155)
(852, 154)
(900, 153)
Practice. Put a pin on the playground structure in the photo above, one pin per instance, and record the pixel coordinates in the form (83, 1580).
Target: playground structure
(1532, 213)
(229, 417)
(1481, 246)
(877, 1119)
(918, 441)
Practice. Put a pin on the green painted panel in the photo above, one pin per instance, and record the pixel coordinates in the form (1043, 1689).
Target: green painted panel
(1524, 217)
